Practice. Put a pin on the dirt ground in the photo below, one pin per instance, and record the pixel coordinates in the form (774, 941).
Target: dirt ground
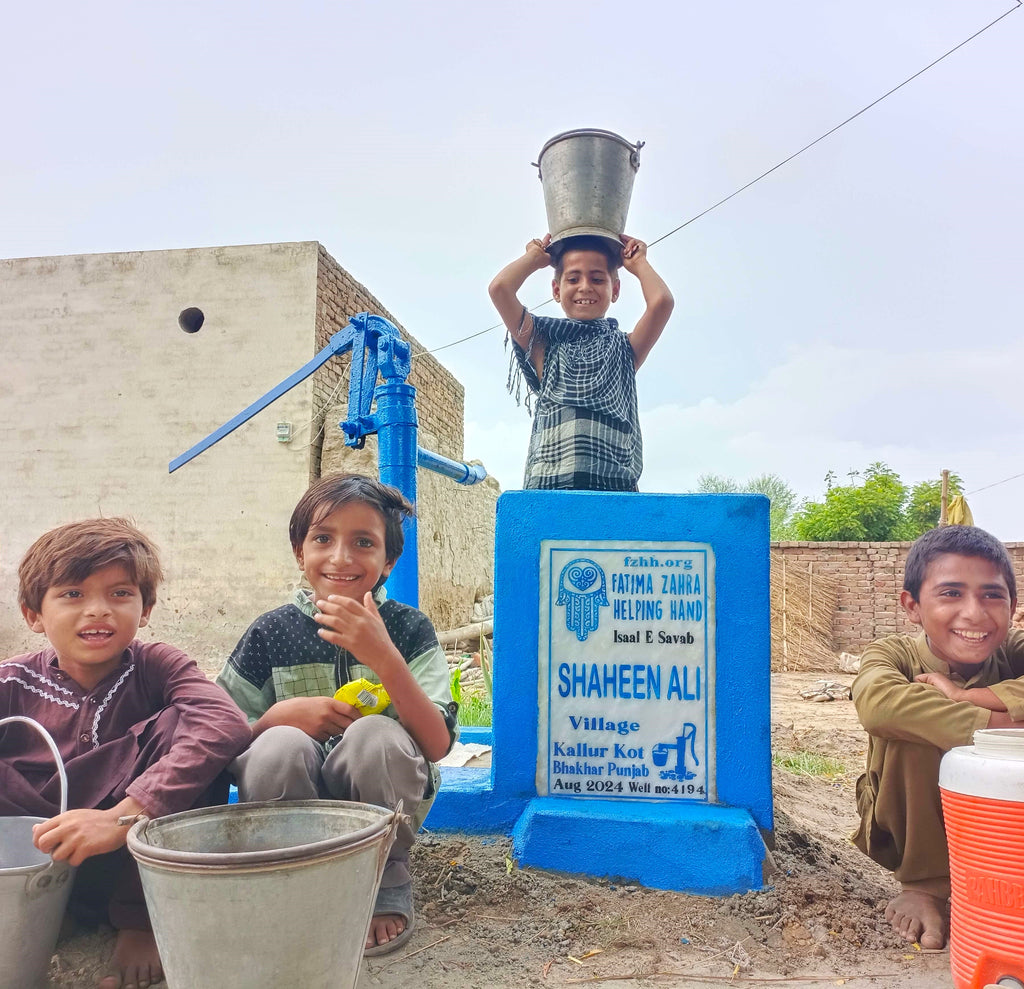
(482, 922)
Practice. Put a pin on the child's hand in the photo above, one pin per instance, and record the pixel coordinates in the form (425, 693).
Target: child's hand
(76, 835)
(537, 252)
(357, 628)
(942, 684)
(634, 253)
(319, 717)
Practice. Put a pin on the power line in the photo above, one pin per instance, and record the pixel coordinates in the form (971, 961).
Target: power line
(994, 484)
(828, 133)
(765, 174)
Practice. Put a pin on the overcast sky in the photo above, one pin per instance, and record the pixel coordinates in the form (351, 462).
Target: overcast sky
(861, 303)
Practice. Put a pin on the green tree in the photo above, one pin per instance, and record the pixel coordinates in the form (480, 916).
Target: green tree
(926, 503)
(779, 493)
(880, 508)
(716, 484)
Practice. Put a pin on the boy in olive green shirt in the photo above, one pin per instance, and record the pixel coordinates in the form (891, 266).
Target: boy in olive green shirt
(918, 697)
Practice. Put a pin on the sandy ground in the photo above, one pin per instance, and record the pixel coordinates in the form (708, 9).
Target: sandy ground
(482, 922)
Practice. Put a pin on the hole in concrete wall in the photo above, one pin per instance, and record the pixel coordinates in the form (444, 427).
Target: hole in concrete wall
(191, 319)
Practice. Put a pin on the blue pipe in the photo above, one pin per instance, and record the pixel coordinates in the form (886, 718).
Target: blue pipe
(376, 346)
(396, 453)
(459, 472)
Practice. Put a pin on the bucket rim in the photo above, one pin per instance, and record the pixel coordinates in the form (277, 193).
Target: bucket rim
(570, 232)
(143, 851)
(633, 146)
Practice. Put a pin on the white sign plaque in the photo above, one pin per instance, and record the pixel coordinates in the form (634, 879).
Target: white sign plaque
(626, 671)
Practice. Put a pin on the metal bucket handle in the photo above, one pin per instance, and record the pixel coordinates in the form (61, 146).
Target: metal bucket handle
(389, 839)
(44, 880)
(54, 751)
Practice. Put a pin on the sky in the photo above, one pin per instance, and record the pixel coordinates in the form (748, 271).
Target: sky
(861, 303)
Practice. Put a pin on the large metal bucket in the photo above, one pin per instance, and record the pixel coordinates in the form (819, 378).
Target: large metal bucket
(263, 894)
(33, 891)
(588, 181)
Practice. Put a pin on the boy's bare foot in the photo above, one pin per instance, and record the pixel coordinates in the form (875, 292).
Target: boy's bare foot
(136, 962)
(921, 917)
(384, 927)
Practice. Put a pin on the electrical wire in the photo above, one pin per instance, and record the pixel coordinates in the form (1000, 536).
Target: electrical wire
(767, 172)
(994, 484)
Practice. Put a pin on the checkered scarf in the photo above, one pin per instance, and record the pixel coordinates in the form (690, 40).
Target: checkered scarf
(590, 366)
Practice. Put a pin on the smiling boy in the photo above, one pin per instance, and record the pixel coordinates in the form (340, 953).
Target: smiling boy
(586, 428)
(140, 728)
(918, 697)
(346, 534)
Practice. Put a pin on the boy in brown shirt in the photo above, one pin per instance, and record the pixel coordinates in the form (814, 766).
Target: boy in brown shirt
(139, 727)
(918, 697)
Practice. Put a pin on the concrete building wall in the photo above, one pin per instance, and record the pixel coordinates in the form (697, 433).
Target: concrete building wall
(101, 388)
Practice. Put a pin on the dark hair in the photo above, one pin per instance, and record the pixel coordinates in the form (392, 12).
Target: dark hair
(330, 493)
(71, 553)
(612, 254)
(964, 540)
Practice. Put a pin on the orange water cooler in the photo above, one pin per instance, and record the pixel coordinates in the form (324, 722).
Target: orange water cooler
(982, 789)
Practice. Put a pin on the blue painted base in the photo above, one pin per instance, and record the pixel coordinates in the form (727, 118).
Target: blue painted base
(475, 733)
(468, 801)
(703, 849)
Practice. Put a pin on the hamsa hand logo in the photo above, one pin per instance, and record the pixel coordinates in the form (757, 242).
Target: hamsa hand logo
(581, 589)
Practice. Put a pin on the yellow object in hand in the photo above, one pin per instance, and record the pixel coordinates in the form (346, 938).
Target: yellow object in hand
(364, 696)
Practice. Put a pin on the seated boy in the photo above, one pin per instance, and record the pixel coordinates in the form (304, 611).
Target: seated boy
(918, 697)
(141, 730)
(586, 429)
(346, 533)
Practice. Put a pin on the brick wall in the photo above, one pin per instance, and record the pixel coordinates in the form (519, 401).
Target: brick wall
(439, 396)
(868, 579)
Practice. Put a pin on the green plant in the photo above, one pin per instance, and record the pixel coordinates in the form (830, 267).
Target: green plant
(475, 708)
(475, 711)
(781, 496)
(876, 506)
(925, 503)
(808, 764)
(486, 665)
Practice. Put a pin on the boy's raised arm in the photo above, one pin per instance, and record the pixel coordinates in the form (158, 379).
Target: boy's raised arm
(656, 294)
(507, 283)
(360, 629)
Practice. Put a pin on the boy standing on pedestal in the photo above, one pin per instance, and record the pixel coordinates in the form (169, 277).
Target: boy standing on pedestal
(586, 429)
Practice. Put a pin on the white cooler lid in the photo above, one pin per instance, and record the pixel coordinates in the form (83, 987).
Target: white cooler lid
(992, 767)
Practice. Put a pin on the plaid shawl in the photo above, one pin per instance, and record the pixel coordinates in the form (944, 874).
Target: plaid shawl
(586, 429)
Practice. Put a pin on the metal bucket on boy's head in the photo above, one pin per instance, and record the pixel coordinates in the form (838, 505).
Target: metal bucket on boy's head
(587, 177)
(982, 787)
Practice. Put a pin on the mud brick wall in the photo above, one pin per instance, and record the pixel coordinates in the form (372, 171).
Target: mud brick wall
(439, 396)
(869, 578)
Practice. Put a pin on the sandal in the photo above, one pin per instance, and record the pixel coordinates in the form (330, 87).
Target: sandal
(396, 900)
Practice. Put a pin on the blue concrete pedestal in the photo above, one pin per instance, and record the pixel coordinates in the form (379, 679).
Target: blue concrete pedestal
(711, 844)
(694, 849)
